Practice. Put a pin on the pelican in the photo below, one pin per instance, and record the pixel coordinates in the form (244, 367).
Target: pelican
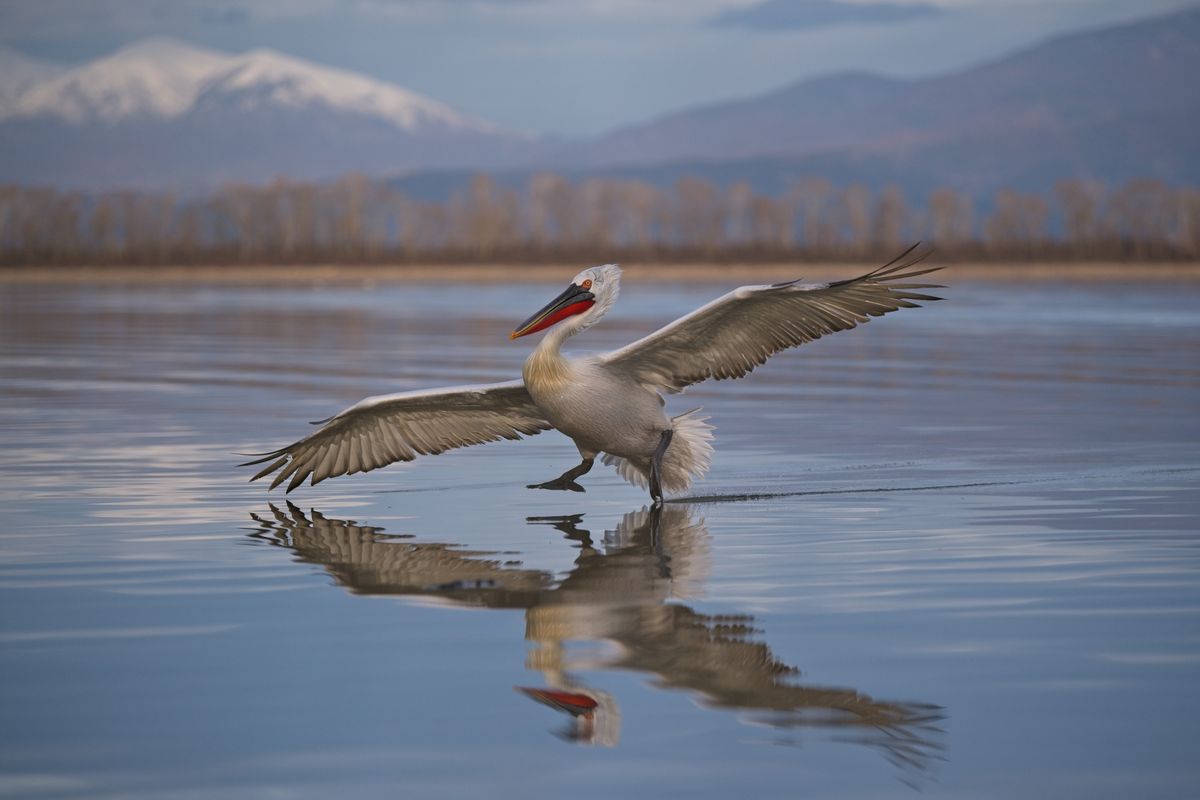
(609, 404)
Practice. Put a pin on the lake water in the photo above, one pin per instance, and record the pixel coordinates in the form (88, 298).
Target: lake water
(953, 552)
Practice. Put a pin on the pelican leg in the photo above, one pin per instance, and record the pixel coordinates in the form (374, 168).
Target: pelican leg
(567, 479)
(656, 466)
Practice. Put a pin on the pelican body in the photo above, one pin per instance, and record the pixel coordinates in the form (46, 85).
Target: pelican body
(609, 404)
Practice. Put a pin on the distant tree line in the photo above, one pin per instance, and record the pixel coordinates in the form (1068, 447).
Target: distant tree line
(356, 220)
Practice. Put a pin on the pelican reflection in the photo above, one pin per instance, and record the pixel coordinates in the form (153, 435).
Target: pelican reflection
(617, 593)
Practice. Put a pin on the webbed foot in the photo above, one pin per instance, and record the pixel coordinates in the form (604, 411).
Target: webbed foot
(566, 481)
(558, 484)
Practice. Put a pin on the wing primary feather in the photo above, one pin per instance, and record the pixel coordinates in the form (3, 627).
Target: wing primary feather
(388, 428)
(300, 476)
(890, 269)
(268, 469)
(261, 457)
(734, 334)
(285, 473)
(903, 255)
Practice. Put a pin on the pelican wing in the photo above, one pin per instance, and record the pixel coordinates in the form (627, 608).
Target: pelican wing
(381, 430)
(733, 334)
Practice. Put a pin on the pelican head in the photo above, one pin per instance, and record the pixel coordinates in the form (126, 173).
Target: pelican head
(590, 294)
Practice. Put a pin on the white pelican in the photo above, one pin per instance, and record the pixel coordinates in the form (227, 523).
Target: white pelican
(610, 403)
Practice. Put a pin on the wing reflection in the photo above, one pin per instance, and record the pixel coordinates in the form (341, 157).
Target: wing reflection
(616, 593)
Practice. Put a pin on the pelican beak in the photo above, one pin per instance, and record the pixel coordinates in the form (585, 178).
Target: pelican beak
(575, 300)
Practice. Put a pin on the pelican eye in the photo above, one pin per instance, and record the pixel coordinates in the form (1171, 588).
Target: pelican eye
(587, 284)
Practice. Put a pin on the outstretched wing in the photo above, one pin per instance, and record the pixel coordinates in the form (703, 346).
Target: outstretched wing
(399, 427)
(732, 335)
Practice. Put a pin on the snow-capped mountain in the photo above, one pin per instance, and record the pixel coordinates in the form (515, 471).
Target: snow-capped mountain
(263, 77)
(18, 73)
(162, 111)
(165, 79)
(155, 78)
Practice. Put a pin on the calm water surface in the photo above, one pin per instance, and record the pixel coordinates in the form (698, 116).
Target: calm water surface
(953, 552)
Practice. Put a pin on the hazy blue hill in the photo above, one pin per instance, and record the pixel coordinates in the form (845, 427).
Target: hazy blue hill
(1108, 104)
(1071, 82)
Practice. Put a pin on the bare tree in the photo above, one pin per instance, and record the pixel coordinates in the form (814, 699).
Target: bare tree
(811, 197)
(738, 200)
(1017, 225)
(951, 218)
(891, 219)
(1140, 212)
(856, 208)
(359, 219)
(1082, 204)
(1187, 222)
(699, 214)
(552, 213)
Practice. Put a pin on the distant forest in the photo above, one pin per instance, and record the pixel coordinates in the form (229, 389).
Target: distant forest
(357, 220)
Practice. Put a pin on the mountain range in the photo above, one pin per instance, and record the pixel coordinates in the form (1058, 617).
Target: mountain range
(162, 112)
(1109, 104)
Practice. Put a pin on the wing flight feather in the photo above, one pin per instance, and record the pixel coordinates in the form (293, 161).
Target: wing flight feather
(398, 427)
(732, 335)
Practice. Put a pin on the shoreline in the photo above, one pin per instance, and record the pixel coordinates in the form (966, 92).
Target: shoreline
(649, 272)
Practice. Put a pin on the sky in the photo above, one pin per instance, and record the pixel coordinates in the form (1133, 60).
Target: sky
(576, 67)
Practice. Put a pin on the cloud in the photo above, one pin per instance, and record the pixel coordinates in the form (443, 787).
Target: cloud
(799, 14)
(227, 15)
(74, 18)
